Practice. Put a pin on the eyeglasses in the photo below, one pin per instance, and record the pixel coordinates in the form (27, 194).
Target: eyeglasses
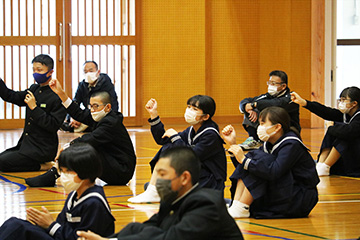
(95, 106)
(343, 100)
(272, 83)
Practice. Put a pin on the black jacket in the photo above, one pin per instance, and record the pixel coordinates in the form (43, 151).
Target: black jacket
(84, 91)
(199, 215)
(282, 100)
(111, 139)
(39, 141)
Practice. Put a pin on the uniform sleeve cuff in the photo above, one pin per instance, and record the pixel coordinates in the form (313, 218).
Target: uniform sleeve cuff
(53, 228)
(67, 103)
(154, 121)
(176, 137)
(246, 163)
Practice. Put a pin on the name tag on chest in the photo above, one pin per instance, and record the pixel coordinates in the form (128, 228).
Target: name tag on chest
(72, 219)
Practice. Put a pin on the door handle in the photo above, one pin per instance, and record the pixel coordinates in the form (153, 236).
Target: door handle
(70, 41)
(61, 42)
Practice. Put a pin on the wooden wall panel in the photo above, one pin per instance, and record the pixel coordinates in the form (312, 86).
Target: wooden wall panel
(173, 64)
(301, 53)
(317, 56)
(235, 55)
(275, 39)
(248, 40)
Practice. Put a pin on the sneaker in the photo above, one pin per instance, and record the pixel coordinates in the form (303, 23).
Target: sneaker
(150, 195)
(322, 169)
(250, 143)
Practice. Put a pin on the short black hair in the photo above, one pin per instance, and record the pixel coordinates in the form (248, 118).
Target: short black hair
(91, 61)
(281, 74)
(83, 159)
(203, 102)
(44, 59)
(351, 92)
(104, 96)
(183, 159)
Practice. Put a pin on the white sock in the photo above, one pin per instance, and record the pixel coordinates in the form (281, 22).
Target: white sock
(239, 205)
(322, 169)
(239, 210)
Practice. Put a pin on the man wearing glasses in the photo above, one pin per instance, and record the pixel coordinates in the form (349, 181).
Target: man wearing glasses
(278, 95)
(109, 137)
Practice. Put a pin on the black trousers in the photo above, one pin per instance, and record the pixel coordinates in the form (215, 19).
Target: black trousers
(12, 161)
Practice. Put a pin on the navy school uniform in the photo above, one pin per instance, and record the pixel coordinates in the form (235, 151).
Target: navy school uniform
(90, 212)
(344, 136)
(282, 179)
(206, 143)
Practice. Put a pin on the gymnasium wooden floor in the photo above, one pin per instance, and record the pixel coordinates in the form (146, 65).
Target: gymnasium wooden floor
(336, 216)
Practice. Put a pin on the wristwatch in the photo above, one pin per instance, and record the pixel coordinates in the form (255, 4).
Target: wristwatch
(253, 105)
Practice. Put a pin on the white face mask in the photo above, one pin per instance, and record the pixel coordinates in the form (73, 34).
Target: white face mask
(272, 90)
(262, 132)
(97, 116)
(343, 108)
(190, 116)
(90, 77)
(67, 180)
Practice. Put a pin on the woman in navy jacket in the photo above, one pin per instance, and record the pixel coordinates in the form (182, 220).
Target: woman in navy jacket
(202, 136)
(279, 179)
(339, 152)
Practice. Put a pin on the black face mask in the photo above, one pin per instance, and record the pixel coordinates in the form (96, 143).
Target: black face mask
(163, 186)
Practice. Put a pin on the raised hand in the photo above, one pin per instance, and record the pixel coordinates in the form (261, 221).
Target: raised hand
(229, 135)
(151, 107)
(297, 99)
(56, 87)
